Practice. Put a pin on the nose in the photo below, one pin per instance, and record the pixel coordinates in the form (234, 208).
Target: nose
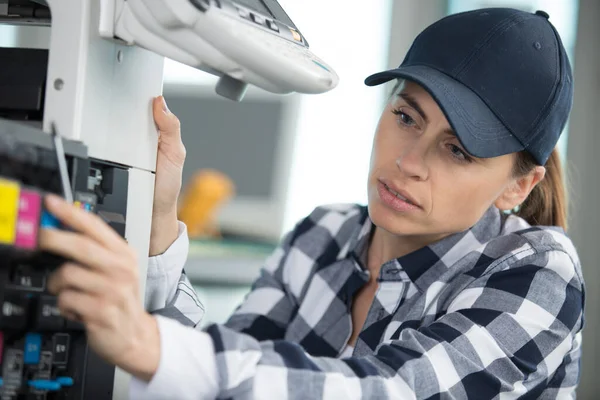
(412, 161)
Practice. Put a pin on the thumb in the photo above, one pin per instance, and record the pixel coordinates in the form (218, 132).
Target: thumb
(167, 123)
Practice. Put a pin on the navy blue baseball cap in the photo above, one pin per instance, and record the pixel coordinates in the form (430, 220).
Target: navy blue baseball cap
(501, 76)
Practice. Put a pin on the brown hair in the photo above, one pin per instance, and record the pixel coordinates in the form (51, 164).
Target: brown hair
(547, 202)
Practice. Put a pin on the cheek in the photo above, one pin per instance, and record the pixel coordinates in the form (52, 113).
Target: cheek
(387, 146)
(460, 199)
(374, 154)
(377, 152)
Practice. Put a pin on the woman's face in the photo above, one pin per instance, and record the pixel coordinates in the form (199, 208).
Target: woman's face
(422, 182)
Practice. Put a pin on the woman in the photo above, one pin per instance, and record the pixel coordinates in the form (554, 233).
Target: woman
(456, 281)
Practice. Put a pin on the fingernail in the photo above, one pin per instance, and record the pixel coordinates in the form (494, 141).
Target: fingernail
(164, 105)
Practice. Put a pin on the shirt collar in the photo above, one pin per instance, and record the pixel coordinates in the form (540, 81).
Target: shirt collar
(359, 243)
(425, 265)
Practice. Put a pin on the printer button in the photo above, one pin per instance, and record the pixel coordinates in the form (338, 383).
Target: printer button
(202, 5)
(257, 19)
(60, 348)
(48, 314)
(14, 311)
(244, 13)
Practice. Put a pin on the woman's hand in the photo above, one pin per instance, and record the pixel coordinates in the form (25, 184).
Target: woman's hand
(169, 168)
(100, 288)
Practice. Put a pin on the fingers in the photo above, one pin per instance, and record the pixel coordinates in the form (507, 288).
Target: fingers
(167, 123)
(84, 222)
(170, 144)
(75, 277)
(86, 251)
(79, 306)
(86, 296)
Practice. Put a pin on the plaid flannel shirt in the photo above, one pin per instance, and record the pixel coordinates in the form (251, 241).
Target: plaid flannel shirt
(492, 312)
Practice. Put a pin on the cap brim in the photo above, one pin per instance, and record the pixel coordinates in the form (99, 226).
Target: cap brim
(477, 127)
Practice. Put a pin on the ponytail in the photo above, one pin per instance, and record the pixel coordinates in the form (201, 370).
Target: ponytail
(547, 202)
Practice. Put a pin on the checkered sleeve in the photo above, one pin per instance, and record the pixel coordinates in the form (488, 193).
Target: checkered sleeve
(507, 331)
(185, 307)
(168, 290)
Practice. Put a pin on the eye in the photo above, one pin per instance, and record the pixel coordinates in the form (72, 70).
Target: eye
(459, 153)
(404, 118)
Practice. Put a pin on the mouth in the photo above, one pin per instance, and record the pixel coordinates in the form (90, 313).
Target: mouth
(400, 194)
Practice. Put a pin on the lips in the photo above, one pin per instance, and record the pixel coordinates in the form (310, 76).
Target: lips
(399, 193)
(399, 201)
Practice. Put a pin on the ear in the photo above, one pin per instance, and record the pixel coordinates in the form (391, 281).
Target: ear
(518, 190)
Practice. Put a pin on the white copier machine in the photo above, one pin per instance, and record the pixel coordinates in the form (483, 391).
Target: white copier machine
(94, 85)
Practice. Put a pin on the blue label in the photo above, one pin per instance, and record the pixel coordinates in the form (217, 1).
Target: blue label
(49, 221)
(321, 65)
(33, 346)
(42, 384)
(64, 381)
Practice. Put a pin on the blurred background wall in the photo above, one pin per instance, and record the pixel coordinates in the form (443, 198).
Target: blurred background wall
(583, 178)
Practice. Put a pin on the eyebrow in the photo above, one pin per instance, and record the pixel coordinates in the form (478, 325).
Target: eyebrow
(415, 104)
